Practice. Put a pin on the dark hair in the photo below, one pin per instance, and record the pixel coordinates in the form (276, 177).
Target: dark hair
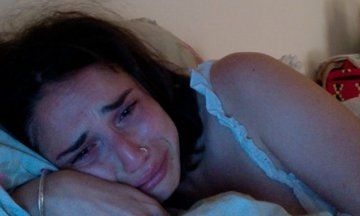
(55, 48)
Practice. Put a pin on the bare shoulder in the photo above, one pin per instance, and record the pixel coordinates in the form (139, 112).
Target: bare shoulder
(239, 77)
(297, 120)
(241, 65)
(246, 69)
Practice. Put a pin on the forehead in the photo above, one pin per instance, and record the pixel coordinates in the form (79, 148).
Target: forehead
(93, 79)
(66, 106)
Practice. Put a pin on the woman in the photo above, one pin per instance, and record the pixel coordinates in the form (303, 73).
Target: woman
(90, 97)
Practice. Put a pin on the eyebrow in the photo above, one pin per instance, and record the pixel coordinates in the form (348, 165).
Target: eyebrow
(77, 144)
(119, 101)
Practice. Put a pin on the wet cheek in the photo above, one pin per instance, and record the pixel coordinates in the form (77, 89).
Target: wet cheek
(151, 123)
(146, 124)
(101, 170)
(144, 130)
(101, 163)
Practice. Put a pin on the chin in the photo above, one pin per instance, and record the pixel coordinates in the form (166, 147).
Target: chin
(166, 188)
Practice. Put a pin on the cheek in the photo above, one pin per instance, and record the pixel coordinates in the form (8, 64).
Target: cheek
(159, 124)
(164, 128)
(104, 170)
(150, 121)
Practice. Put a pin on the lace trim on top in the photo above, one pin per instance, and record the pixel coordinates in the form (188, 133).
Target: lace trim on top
(310, 201)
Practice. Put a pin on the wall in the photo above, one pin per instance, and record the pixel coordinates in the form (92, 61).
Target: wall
(312, 30)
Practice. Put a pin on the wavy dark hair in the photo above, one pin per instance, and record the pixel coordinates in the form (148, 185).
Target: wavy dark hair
(55, 48)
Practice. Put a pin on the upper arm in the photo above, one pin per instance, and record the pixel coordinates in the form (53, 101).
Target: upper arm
(311, 133)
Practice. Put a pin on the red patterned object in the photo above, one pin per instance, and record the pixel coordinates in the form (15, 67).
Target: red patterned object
(341, 76)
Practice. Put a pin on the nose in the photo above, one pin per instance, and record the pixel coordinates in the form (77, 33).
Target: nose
(131, 155)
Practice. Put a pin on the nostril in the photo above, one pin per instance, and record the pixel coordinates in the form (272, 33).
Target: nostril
(134, 157)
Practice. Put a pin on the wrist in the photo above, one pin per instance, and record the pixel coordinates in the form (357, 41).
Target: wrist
(26, 196)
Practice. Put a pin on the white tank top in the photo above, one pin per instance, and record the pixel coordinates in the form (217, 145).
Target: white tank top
(311, 202)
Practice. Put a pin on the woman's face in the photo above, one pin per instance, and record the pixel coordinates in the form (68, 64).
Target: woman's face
(104, 123)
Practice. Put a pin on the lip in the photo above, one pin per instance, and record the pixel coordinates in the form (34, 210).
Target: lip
(154, 176)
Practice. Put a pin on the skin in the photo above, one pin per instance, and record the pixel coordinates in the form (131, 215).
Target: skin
(304, 127)
(78, 192)
(112, 149)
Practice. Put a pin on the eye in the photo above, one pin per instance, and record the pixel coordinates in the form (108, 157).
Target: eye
(124, 113)
(83, 155)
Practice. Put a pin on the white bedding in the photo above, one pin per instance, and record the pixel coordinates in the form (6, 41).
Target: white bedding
(234, 203)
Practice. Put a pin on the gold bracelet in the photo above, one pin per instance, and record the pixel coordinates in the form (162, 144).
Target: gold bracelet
(41, 192)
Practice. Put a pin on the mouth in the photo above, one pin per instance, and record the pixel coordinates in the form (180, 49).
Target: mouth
(154, 176)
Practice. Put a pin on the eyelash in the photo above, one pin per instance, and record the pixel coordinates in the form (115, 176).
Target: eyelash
(127, 111)
(83, 153)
